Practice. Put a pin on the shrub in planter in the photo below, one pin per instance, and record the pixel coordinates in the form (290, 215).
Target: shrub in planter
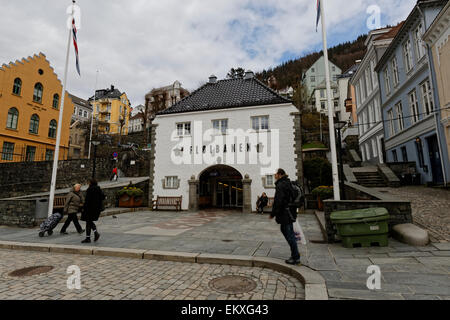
(323, 193)
(130, 197)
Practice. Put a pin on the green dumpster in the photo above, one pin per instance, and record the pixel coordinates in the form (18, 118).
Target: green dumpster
(362, 227)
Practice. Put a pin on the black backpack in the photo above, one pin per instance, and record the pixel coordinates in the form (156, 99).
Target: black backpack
(297, 195)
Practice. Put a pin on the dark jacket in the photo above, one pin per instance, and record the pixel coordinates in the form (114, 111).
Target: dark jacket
(74, 202)
(93, 204)
(262, 201)
(283, 192)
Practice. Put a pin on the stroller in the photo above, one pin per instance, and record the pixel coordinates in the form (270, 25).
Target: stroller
(50, 224)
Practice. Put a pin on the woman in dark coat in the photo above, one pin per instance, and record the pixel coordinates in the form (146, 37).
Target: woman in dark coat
(262, 202)
(93, 206)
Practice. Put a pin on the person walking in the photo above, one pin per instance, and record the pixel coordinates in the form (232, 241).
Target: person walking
(74, 204)
(114, 174)
(285, 216)
(93, 206)
(261, 203)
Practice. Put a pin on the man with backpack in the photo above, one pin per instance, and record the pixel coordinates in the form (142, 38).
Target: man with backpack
(285, 212)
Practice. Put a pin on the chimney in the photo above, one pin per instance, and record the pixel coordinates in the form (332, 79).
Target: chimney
(212, 79)
(249, 75)
(112, 88)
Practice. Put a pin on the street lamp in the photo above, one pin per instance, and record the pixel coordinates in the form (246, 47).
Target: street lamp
(338, 126)
(95, 143)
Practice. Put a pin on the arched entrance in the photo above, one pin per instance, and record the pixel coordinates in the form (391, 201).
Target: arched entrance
(220, 186)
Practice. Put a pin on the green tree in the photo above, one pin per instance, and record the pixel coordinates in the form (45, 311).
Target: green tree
(237, 73)
(318, 172)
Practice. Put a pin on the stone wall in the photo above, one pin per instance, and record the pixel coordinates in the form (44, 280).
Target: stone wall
(399, 210)
(24, 178)
(22, 213)
(19, 213)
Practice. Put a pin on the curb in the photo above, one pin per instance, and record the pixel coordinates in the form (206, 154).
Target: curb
(102, 215)
(315, 286)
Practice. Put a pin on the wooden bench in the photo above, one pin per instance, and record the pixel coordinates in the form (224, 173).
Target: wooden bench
(59, 202)
(167, 202)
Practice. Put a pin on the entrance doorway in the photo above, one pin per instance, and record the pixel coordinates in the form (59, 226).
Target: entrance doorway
(435, 160)
(221, 187)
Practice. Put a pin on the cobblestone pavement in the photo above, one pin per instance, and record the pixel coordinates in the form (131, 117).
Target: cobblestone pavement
(430, 206)
(407, 272)
(105, 278)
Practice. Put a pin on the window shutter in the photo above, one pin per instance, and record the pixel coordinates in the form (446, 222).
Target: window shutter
(163, 183)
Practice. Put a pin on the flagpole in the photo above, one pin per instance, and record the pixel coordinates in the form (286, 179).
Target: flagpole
(92, 118)
(337, 196)
(58, 136)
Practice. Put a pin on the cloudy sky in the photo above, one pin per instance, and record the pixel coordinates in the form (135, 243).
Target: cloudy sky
(141, 44)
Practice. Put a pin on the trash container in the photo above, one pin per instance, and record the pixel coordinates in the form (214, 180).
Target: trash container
(41, 208)
(362, 227)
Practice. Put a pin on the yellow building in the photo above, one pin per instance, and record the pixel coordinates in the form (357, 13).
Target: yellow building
(111, 110)
(438, 38)
(29, 111)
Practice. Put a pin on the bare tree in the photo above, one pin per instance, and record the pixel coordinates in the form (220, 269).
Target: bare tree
(237, 73)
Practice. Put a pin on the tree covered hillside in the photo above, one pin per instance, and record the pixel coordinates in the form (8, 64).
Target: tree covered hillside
(343, 55)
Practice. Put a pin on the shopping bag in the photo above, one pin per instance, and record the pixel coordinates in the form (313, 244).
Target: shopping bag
(299, 235)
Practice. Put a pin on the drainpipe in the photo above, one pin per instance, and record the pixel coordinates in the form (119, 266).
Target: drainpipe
(436, 98)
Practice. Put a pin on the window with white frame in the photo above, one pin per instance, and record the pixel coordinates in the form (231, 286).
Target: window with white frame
(171, 182)
(368, 151)
(407, 55)
(260, 123)
(414, 106)
(220, 126)
(268, 181)
(322, 93)
(374, 147)
(363, 89)
(368, 81)
(400, 121)
(371, 118)
(365, 119)
(374, 74)
(391, 122)
(395, 78)
(376, 107)
(387, 80)
(418, 43)
(184, 129)
(358, 94)
(427, 97)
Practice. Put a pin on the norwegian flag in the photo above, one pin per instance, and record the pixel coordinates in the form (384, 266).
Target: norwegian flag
(318, 14)
(75, 44)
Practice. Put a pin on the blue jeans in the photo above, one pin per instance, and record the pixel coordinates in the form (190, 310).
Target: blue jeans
(288, 232)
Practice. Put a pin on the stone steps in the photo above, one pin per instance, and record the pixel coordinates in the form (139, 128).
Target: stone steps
(370, 179)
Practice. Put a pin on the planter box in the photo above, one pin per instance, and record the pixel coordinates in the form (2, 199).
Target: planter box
(127, 201)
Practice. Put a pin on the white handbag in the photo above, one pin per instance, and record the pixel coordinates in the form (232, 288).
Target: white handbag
(299, 235)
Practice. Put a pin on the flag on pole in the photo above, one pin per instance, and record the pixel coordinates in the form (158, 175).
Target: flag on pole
(75, 44)
(318, 14)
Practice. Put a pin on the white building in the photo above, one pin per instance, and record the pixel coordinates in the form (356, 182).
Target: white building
(316, 74)
(320, 98)
(368, 99)
(221, 146)
(140, 108)
(136, 123)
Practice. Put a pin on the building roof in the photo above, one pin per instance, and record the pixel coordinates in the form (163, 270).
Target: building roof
(225, 94)
(350, 72)
(109, 93)
(391, 33)
(405, 25)
(137, 116)
(81, 102)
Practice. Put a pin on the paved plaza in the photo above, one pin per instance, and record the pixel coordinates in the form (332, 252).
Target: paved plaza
(407, 272)
(107, 278)
(430, 208)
